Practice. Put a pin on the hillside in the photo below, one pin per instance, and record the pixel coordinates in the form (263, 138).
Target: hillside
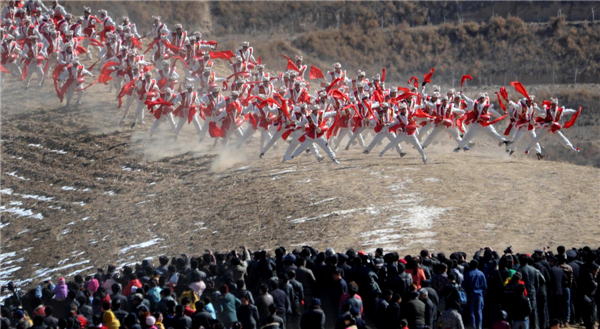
(85, 189)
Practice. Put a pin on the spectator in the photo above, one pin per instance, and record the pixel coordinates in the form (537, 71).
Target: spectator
(451, 318)
(263, 301)
(381, 308)
(314, 318)
(181, 321)
(201, 318)
(108, 317)
(247, 314)
(475, 286)
(430, 308)
(227, 306)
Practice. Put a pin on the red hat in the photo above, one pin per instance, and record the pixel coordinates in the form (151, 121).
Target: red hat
(361, 253)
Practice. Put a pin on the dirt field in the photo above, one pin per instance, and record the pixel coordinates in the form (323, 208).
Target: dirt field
(81, 191)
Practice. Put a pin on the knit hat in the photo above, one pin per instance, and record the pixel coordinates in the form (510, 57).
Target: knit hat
(150, 321)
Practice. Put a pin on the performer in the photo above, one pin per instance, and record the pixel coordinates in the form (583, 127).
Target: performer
(73, 78)
(88, 27)
(315, 133)
(405, 128)
(479, 118)
(384, 118)
(33, 55)
(164, 111)
(524, 126)
(211, 103)
(443, 122)
(147, 90)
(551, 124)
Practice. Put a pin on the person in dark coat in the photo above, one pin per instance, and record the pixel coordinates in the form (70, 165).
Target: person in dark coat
(263, 300)
(247, 314)
(181, 321)
(314, 318)
(414, 312)
(542, 292)
(276, 318)
(588, 286)
(116, 307)
(50, 320)
(281, 300)
(116, 294)
(393, 314)
(555, 288)
(201, 318)
(381, 308)
(430, 308)
(475, 285)
(532, 278)
(38, 322)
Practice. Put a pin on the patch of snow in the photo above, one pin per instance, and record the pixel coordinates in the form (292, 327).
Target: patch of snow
(86, 189)
(59, 151)
(140, 245)
(14, 174)
(21, 212)
(15, 203)
(293, 169)
(71, 223)
(80, 203)
(109, 193)
(85, 218)
(24, 231)
(125, 168)
(305, 181)
(36, 145)
(3, 225)
(432, 180)
(99, 178)
(37, 197)
(65, 231)
(153, 183)
(7, 191)
(79, 271)
(323, 201)
(60, 262)
(68, 188)
(45, 272)
(142, 202)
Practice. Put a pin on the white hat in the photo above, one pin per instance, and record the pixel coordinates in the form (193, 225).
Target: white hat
(316, 107)
(156, 18)
(87, 9)
(376, 78)
(245, 44)
(403, 106)
(148, 74)
(286, 75)
(554, 101)
(361, 73)
(436, 88)
(260, 66)
(322, 93)
(296, 82)
(282, 89)
(189, 86)
(235, 93)
(165, 63)
(217, 89)
(240, 81)
(206, 70)
(385, 104)
(125, 18)
(481, 95)
(360, 85)
(102, 12)
(168, 90)
(76, 62)
(265, 79)
(337, 65)
(436, 95)
(177, 26)
(238, 59)
(119, 28)
(364, 96)
(445, 98)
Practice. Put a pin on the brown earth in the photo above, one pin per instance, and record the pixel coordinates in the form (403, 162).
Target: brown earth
(79, 191)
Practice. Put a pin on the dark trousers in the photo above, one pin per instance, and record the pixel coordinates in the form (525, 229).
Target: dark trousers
(533, 319)
(588, 312)
(542, 311)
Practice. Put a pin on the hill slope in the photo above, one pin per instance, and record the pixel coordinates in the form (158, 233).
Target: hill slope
(78, 186)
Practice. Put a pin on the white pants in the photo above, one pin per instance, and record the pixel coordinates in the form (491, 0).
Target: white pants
(139, 112)
(164, 117)
(321, 141)
(38, 69)
(265, 136)
(402, 137)
(85, 43)
(475, 129)
(544, 132)
(423, 131)
(337, 140)
(380, 136)
(13, 68)
(128, 101)
(71, 91)
(273, 141)
(118, 82)
(513, 132)
(294, 142)
(523, 132)
(182, 121)
(439, 128)
(238, 132)
(358, 135)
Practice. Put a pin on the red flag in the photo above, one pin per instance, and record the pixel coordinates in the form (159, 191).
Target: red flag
(222, 54)
(503, 93)
(500, 101)
(182, 61)
(427, 78)
(416, 81)
(489, 123)
(106, 70)
(291, 65)
(315, 73)
(404, 96)
(520, 88)
(4, 69)
(92, 66)
(210, 42)
(80, 50)
(126, 88)
(383, 75)
(96, 43)
(465, 78)
(259, 61)
(215, 131)
(332, 84)
(404, 90)
(571, 122)
(137, 43)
